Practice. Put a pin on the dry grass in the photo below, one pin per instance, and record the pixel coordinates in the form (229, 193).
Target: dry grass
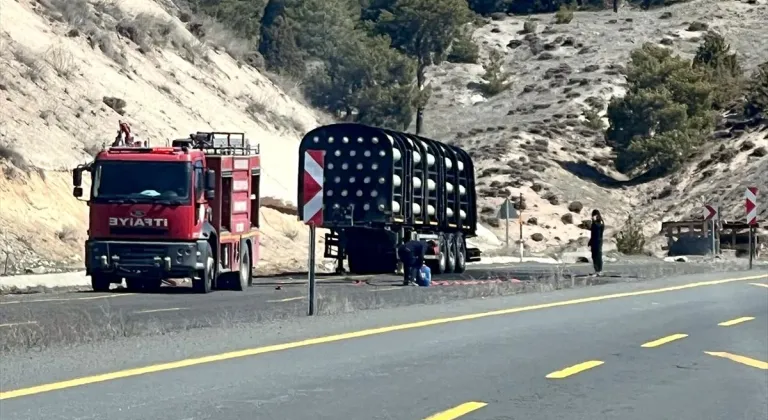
(34, 66)
(67, 234)
(61, 61)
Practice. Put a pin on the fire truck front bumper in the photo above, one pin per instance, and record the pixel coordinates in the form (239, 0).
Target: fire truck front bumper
(135, 259)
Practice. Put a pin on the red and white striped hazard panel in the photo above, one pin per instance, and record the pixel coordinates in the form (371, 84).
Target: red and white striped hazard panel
(312, 210)
(751, 205)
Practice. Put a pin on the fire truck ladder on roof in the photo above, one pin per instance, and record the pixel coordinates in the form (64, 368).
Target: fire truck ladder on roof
(219, 143)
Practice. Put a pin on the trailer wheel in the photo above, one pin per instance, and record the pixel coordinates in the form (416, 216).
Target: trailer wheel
(441, 263)
(100, 282)
(202, 283)
(450, 258)
(461, 254)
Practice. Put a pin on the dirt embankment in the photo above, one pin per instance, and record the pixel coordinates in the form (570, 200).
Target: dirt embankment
(72, 69)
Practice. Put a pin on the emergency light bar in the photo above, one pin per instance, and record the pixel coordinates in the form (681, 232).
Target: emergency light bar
(159, 150)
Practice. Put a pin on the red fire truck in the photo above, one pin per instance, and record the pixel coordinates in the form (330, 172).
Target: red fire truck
(190, 210)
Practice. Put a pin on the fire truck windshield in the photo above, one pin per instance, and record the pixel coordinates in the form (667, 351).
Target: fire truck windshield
(142, 182)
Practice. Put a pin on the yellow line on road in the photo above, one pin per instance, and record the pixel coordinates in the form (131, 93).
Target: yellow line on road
(13, 324)
(68, 299)
(4, 395)
(664, 340)
(151, 311)
(572, 370)
(457, 411)
(740, 359)
(287, 299)
(760, 284)
(736, 321)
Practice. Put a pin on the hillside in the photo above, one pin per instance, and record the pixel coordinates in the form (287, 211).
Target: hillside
(67, 80)
(72, 69)
(534, 138)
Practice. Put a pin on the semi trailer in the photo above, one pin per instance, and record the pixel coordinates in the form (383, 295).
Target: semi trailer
(374, 188)
(187, 210)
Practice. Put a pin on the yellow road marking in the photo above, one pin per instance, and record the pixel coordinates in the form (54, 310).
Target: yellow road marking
(67, 299)
(664, 340)
(287, 299)
(457, 411)
(759, 284)
(12, 324)
(572, 370)
(736, 321)
(740, 359)
(4, 395)
(385, 289)
(151, 311)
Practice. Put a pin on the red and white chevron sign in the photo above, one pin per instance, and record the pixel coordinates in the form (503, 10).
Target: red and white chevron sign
(751, 204)
(312, 188)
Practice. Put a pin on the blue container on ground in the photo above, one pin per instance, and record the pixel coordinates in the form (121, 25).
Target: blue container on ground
(425, 277)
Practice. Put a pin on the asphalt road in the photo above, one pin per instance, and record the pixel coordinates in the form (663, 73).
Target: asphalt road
(687, 351)
(272, 298)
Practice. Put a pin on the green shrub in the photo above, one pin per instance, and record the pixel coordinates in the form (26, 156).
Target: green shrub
(666, 113)
(630, 239)
(529, 27)
(464, 50)
(564, 15)
(495, 77)
(757, 92)
(714, 57)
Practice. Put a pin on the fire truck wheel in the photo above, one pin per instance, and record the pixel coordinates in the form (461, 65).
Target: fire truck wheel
(202, 283)
(100, 282)
(244, 274)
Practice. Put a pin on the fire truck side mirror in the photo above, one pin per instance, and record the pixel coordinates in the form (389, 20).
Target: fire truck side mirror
(77, 192)
(77, 177)
(210, 184)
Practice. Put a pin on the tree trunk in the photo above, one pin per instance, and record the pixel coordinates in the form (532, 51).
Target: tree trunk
(420, 104)
(615, 6)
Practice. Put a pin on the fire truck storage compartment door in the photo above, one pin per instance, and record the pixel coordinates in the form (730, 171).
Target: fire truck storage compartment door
(241, 202)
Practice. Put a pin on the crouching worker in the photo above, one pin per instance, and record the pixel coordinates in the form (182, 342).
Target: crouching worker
(411, 254)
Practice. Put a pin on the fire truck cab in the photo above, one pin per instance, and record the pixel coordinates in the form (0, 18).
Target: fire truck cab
(188, 210)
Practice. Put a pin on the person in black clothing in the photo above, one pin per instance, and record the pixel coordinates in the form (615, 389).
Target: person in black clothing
(411, 254)
(596, 241)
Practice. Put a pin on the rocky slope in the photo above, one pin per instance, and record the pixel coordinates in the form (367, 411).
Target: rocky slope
(72, 69)
(68, 77)
(534, 140)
